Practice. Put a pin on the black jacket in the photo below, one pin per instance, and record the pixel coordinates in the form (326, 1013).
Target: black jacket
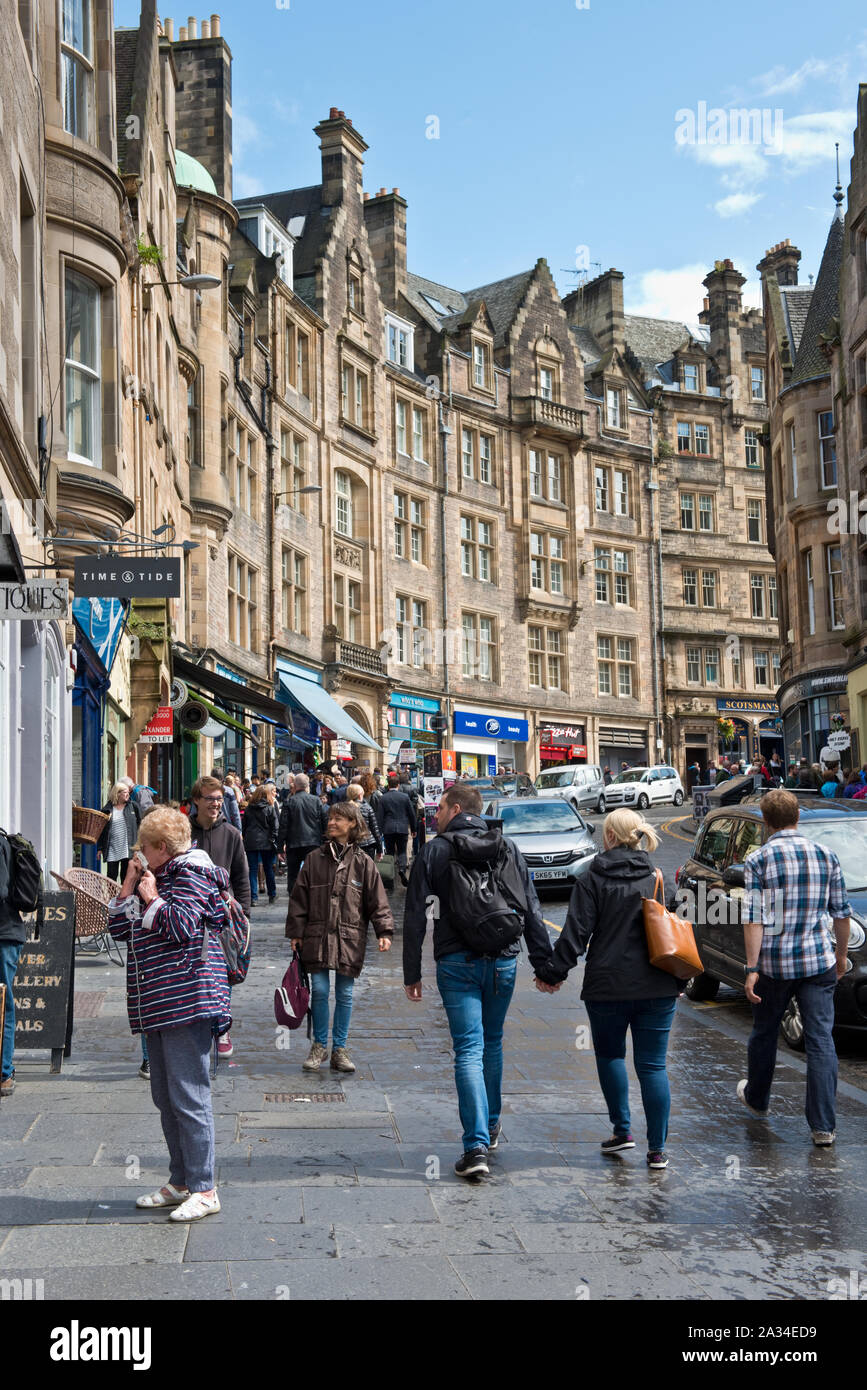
(226, 848)
(302, 821)
(429, 880)
(605, 911)
(131, 815)
(11, 926)
(368, 815)
(261, 826)
(396, 813)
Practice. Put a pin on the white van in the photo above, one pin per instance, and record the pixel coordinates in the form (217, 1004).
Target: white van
(580, 784)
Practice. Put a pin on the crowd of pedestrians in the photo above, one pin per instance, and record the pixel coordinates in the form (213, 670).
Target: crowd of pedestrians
(469, 885)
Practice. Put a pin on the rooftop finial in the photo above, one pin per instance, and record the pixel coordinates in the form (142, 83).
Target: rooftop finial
(838, 191)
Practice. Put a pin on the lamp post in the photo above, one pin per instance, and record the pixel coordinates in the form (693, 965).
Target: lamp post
(188, 282)
(296, 491)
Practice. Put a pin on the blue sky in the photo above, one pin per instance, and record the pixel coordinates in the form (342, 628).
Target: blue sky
(561, 128)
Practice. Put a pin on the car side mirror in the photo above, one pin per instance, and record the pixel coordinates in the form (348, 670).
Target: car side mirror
(588, 825)
(734, 876)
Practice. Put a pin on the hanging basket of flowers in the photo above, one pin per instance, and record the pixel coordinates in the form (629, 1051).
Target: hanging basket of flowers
(726, 731)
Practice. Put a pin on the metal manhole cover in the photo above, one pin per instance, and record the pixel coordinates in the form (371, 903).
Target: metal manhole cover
(283, 1097)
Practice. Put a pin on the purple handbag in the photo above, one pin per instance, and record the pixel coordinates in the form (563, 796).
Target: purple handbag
(292, 999)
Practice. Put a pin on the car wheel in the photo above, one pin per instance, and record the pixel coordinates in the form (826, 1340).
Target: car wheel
(600, 806)
(643, 802)
(701, 987)
(792, 1027)
(678, 798)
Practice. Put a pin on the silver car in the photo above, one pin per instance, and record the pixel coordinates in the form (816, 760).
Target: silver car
(581, 784)
(555, 841)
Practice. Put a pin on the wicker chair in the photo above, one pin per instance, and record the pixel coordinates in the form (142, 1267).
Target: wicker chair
(93, 892)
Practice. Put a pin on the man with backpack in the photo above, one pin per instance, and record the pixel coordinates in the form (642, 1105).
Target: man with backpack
(472, 886)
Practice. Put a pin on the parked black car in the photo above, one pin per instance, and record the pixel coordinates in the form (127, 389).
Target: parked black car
(726, 838)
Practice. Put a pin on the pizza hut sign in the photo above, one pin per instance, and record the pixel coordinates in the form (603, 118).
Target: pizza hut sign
(562, 733)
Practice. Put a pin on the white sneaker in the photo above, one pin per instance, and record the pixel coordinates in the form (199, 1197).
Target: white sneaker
(823, 1138)
(195, 1207)
(742, 1093)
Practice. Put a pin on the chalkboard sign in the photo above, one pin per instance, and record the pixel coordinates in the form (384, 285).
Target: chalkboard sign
(42, 989)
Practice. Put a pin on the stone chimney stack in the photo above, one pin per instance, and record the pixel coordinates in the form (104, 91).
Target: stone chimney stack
(342, 159)
(782, 261)
(723, 285)
(203, 102)
(598, 305)
(385, 220)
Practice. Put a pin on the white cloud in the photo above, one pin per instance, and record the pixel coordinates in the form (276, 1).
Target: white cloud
(777, 81)
(809, 140)
(244, 186)
(679, 294)
(736, 204)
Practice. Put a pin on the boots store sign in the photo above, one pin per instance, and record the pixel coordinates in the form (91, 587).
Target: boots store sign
(127, 576)
(35, 599)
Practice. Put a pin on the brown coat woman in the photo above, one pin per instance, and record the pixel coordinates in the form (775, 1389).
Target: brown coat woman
(336, 895)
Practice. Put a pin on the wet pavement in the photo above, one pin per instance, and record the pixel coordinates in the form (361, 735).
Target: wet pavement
(342, 1187)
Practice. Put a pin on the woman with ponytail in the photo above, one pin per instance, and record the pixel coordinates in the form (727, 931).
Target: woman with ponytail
(622, 990)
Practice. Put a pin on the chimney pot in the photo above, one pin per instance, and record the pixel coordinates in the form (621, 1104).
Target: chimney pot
(333, 114)
(206, 29)
(395, 190)
(706, 303)
(342, 115)
(366, 196)
(169, 29)
(193, 27)
(215, 26)
(182, 33)
(381, 193)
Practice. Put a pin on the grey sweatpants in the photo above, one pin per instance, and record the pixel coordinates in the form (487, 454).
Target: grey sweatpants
(181, 1091)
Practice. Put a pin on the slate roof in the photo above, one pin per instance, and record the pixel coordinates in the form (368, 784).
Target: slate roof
(588, 347)
(292, 203)
(824, 306)
(502, 300)
(125, 46)
(417, 286)
(796, 306)
(655, 341)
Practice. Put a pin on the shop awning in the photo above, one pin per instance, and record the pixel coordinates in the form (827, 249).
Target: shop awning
(311, 698)
(232, 692)
(394, 746)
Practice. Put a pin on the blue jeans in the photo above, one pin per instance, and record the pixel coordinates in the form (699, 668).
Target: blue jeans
(9, 953)
(476, 992)
(815, 995)
(320, 990)
(181, 1091)
(650, 1021)
(267, 857)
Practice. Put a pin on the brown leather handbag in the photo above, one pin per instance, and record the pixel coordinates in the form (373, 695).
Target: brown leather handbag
(670, 939)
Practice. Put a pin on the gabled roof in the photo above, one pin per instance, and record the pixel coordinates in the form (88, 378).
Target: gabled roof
(796, 305)
(502, 299)
(824, 306)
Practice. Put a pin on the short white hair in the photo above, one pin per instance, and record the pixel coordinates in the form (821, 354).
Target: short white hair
(302, 781)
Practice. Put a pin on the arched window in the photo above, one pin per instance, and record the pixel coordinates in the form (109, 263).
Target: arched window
(343, 504)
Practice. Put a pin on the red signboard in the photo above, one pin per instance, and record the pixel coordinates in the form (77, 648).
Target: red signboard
(160, 728)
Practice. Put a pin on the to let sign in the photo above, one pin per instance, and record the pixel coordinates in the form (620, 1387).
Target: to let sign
(127, 576)
(37, 598)
(161, 728)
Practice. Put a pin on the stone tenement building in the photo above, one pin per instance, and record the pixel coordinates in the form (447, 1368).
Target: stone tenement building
(818, 433)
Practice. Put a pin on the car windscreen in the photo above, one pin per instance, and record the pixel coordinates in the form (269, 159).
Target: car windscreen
(847, 839)
(534, 818)
(561, 778)
(634, 776)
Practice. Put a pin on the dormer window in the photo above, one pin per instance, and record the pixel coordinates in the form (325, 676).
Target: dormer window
(614, 408)
(690, 376)
(399, 342)
(481, 366)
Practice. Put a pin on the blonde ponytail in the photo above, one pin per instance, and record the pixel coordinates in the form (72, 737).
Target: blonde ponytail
(628, 829)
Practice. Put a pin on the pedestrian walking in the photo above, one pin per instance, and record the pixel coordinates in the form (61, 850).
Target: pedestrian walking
(231, 799)
(476, 986)
(797, 883)
(397, 818)
(178, 995)
(622, 991)
(261, 829)
(222, 842)
(13, 934)
(338, 893)
(302, 826)
(371, 840)
(119, 835)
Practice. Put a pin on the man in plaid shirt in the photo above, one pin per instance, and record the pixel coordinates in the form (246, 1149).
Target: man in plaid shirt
(789, 951)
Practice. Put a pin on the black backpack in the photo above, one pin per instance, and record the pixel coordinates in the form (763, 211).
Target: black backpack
(25, 875)
(487, 902)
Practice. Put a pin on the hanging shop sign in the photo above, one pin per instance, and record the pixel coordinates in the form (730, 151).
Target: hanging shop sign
(35, 598)
(127, 576)
(160, 728)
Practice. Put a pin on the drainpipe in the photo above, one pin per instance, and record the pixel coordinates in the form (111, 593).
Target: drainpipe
(444, 432)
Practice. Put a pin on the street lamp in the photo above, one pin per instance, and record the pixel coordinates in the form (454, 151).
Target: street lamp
(188, 282)
(311, 487)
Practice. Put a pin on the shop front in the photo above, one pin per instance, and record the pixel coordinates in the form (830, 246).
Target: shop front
(757, 727)
(618, 745)
(487, 743)
(813, 707)
(410, 735)
(344, 739)
(562, 743)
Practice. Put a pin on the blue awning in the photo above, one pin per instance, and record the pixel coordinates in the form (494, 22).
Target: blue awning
(311, 698)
